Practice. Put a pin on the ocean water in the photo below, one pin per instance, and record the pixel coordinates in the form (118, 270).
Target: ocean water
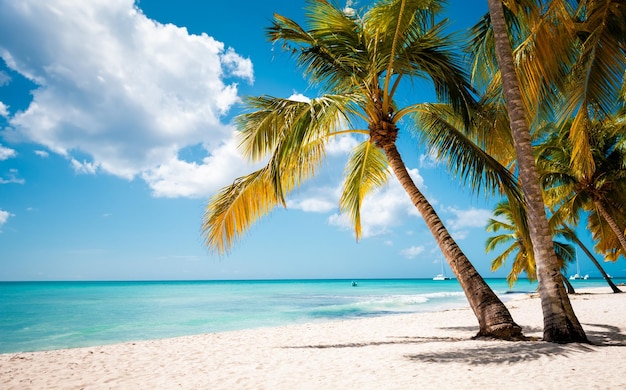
(52, 315)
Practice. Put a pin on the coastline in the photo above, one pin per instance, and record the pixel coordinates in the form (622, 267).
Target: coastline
(420, 350)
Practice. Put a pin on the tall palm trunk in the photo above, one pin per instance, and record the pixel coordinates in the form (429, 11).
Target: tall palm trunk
(493, 317)
(595, 262)
(559, 320)
(611, 222)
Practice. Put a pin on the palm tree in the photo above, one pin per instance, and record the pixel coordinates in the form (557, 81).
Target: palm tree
(560, 322)
(599, 190)
(360, 60)
(594, 86)
(512, 221)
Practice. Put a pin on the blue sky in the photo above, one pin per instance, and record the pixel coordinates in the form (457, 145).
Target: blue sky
(115, 129)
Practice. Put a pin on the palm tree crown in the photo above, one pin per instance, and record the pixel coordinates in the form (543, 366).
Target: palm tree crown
(599, 192)
(359, 61)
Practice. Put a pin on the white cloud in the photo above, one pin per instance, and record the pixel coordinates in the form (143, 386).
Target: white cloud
(84, 167)
(11, 178)
(341, 145)
(472, 218)
(4, 109)
(124, 90)
(466, 219)
(238, 66)
(428, 160)
(4, 217)
(6, 153)
(348, 10)
(412, 252)
(42, 153)
(314, 205)
(298, 97)
(178, 178)
(315, 199)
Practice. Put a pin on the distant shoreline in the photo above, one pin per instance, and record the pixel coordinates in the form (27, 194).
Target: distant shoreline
(591, 278)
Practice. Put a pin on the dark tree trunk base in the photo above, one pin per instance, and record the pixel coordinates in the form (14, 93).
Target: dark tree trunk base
(506, 332)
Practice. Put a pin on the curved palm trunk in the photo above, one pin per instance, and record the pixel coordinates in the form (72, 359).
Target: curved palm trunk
(611, 221)
(568, 285)
(597, 264)
(493, 317)
(559, 320)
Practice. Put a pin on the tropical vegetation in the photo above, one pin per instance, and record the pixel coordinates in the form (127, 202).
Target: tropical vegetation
(359, 62)
(550, 77)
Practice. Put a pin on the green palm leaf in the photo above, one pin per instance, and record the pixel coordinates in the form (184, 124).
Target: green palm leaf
(366, 170)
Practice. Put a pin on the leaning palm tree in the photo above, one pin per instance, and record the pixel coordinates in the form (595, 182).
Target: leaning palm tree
(560, 322)
(359, 61)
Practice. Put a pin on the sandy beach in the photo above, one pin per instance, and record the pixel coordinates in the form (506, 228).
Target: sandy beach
(415, 351)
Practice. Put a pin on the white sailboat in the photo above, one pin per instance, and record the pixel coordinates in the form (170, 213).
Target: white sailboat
(577, 275)
(442, 275)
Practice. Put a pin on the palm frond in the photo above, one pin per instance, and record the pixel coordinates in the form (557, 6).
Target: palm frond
(232, 211)
(493, 241)
(366, 170)
(442, 132)
(330, 50)
(501, 259)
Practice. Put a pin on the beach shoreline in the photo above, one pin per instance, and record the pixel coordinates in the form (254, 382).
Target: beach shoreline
(421, 350)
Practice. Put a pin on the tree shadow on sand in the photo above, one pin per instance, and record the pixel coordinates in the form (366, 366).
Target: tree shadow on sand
(397, 340)
(500, 353)
(605, 335)
(497, 352)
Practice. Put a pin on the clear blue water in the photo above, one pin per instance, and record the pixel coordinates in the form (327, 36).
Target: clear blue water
(52, 315)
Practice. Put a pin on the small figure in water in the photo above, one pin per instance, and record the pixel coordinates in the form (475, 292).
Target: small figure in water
(354, 284)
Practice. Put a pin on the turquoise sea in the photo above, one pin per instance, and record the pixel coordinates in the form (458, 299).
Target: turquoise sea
(52, 315)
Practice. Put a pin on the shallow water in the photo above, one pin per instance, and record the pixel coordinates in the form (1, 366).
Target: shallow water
(52, 315)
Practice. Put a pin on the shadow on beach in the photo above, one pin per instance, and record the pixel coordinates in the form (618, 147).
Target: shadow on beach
(605, 335)
(500, 352)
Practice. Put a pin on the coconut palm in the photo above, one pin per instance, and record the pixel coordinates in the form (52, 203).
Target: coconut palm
(599, 191)
(512, 221)
(594, 86)
(359, 61)
(560, 322)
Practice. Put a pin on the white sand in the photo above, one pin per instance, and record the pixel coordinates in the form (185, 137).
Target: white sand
(416, 351)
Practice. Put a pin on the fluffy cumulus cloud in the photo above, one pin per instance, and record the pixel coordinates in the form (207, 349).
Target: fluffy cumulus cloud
(177, 177)
(125, 91)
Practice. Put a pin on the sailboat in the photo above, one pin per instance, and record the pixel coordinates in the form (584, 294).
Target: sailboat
(442, 275)
(577, 275)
